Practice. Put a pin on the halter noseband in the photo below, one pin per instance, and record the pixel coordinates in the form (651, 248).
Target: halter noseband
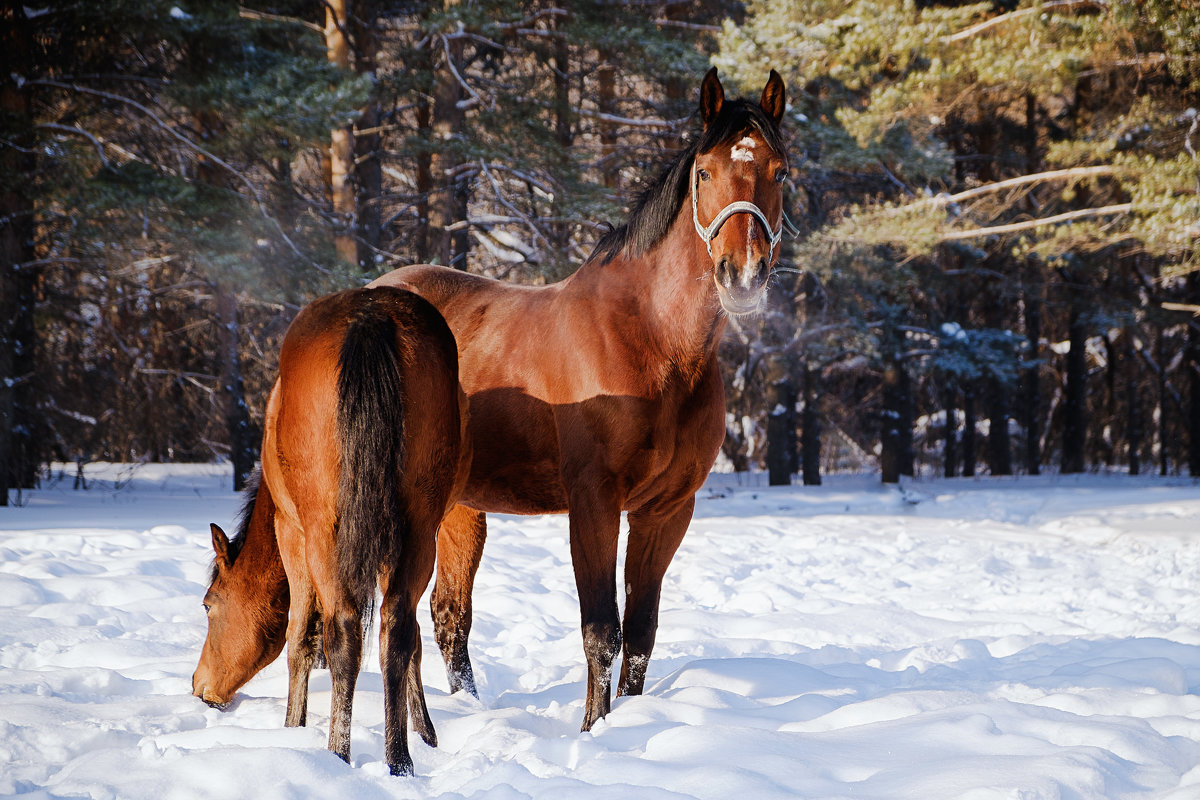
(736, 207)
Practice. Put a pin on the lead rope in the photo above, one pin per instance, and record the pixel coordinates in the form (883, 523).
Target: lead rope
(738, 207)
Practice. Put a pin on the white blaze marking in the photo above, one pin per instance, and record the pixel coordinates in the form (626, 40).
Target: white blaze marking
(741, 150)
(749, 270)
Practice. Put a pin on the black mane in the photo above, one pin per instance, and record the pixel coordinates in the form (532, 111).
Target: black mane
(656, 207)
(238, 540)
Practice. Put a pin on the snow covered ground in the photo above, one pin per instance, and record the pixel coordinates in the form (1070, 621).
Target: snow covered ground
(994, 638)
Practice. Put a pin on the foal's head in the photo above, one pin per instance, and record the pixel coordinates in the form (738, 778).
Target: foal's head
(736, 189)
(247, 623)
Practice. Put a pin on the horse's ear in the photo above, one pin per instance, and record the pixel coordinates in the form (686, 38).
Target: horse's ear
(712, 97)
(220, 545)
(774, 97)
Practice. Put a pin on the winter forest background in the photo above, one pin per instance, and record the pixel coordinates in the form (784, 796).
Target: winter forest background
(1000, 205)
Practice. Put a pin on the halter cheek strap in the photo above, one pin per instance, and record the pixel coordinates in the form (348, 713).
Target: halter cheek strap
(737, 207)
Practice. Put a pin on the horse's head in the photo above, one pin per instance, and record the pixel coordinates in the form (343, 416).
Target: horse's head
(247, 626)
(737, 192)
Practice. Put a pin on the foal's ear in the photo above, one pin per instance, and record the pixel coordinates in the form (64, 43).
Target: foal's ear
(712, 97)
(774, 97)
(220, 545)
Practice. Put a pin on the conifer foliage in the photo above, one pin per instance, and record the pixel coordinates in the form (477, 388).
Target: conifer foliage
(1000, 203)
(1004, 199)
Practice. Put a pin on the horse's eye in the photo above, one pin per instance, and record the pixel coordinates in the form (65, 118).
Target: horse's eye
(780, 175)
(207, 608)
(704, 174)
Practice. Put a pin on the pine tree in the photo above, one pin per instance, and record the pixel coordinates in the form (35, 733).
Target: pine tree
(161, 136)
(1034, 134)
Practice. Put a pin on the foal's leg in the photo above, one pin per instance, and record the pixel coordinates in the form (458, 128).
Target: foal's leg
(459, 548)
(653, 540)
(595, 524)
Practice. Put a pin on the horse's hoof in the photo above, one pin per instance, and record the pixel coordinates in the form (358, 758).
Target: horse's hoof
(404, 769)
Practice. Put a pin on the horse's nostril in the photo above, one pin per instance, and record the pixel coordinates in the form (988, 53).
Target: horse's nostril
(725, 271)
(761, 270)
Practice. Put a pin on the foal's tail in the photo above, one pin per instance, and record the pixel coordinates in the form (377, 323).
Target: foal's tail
(370, 425)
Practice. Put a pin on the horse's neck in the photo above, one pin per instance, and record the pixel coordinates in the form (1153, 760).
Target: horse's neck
(670, 290)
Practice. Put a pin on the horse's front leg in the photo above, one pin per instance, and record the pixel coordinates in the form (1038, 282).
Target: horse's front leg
(595, 523)
(303, 621)
(653, 539)
(303, 630)
(459, 547)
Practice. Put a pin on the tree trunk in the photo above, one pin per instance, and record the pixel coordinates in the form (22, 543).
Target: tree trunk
(18, 280)
(896, 448)
(242, 452)
(1193, 361)
(1030, 389)
(999, 450)
(1133, 418)
(906, 422)
(950, 456)
(810, 427)
(564, 138)
(1160, 354)
(969, 453)
(606, 88)
(368, 166)
(341, 147)
(449, 238)
(781, 423)
(1075, 405)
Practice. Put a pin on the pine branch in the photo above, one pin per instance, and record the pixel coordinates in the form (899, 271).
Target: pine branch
(258, 199)
(1052, 6)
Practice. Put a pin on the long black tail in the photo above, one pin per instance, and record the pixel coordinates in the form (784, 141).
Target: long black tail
(370, 426)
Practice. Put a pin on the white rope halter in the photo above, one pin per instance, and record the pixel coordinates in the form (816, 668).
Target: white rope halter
(736, 207)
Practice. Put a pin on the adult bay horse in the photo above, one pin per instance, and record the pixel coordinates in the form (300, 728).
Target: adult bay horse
(362, 455)
(601, 393)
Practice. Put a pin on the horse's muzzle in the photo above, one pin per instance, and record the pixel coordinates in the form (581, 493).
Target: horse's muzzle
(209, 697)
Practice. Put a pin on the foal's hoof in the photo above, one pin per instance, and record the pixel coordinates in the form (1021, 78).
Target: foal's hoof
(404, 769)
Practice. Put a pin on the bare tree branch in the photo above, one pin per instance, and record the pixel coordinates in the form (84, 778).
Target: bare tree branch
(975, 233)
(1042, 8)
(77, 131)
(475, 99)
(1024, 180)
(263, 16)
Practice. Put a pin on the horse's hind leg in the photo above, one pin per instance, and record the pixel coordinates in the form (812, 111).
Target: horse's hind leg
(398, 648)
(653, 539)
(459, 548)
(343, 634)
